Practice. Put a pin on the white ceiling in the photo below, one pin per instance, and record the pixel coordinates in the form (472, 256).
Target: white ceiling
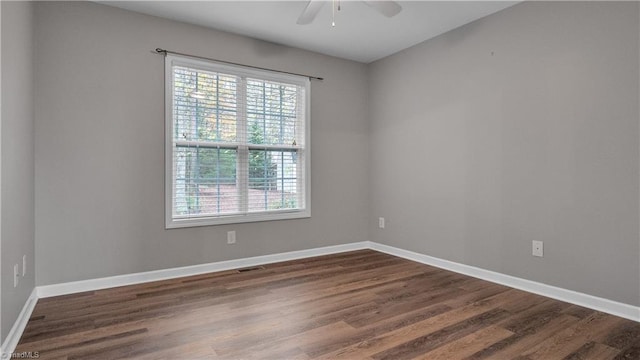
(361, 33)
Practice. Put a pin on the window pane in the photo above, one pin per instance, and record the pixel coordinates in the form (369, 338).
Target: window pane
(272, 112)
(204, 104)
(205, 181)
(273, 183)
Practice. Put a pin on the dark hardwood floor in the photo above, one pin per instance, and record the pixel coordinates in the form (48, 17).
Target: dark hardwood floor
(356, 305)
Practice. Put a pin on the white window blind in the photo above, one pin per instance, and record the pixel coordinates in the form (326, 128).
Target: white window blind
(237, 144)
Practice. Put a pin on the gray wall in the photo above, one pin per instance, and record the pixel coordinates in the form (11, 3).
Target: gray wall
(99, 146)
(17, 157)
(520, 126)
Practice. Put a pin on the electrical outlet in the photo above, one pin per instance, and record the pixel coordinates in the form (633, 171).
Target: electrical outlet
(537, 248)
(16, 275)
(381, 223)
(231, 237)
(24, 265)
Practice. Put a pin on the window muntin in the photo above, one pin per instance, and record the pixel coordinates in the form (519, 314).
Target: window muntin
(237, 145)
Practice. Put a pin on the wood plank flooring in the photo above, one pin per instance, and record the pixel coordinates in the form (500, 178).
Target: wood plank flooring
(355, 305)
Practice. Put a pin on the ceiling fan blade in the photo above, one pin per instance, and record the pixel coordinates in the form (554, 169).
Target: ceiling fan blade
(310, 12)
(386, 8)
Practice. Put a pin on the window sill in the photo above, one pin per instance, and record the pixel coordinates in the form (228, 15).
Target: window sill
(236, 219)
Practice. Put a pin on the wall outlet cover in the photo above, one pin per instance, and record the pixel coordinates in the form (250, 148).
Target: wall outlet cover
(16, 275)
(537, 248)
(231, 237)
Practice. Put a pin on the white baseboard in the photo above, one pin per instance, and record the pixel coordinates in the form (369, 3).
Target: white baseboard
(165, 274)
(589, 301)
(11, 341)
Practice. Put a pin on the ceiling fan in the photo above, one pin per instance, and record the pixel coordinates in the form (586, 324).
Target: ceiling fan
(385, 7)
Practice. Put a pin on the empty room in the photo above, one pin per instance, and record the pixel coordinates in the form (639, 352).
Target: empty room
(320, 179)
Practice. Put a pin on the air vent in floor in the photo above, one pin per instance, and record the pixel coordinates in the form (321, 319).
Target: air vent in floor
(251, 269)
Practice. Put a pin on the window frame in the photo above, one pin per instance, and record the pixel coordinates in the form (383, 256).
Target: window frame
(269, 215)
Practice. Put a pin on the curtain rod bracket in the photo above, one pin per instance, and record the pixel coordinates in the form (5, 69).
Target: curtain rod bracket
(165, 52)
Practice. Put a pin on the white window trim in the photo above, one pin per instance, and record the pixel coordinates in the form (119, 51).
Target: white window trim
(285, 214)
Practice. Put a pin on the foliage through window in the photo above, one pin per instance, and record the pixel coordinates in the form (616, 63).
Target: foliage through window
(236, 144)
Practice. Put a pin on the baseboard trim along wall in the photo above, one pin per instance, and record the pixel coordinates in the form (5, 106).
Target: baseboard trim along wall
(574, 297)
(11, 341)
(589, 301)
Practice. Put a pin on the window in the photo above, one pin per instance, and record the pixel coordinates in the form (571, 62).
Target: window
(236, 144)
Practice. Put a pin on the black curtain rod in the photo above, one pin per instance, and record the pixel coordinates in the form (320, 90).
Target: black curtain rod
(165, 52)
